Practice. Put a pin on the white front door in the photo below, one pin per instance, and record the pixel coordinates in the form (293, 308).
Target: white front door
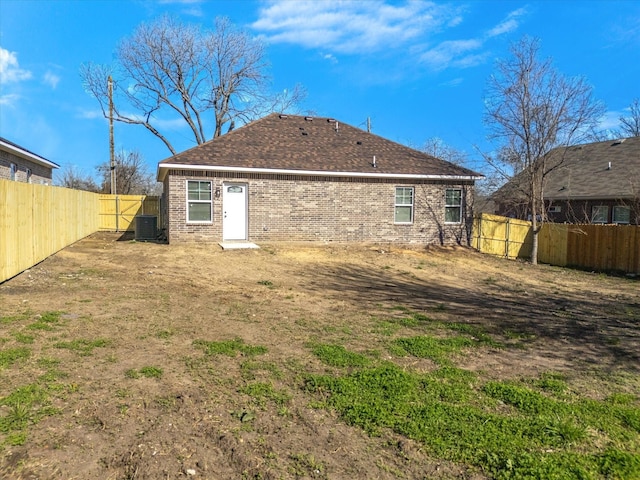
(234, 211)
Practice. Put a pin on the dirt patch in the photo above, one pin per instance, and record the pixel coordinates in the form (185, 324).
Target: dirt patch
(134, 305)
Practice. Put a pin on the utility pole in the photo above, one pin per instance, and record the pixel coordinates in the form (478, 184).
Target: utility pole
(112, 157)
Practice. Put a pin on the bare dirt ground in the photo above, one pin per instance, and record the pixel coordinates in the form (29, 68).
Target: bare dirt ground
(145, 304)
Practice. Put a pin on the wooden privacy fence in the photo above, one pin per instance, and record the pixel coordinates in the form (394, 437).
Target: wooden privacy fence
(38, 220)
(118, 212)
(597, 247)
(502, 236)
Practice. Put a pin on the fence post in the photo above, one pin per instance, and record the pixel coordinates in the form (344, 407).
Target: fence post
(506, 239)
(117, 213)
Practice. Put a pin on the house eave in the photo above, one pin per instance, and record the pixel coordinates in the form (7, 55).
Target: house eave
(165, 167)
(588, 198)
(27, 155)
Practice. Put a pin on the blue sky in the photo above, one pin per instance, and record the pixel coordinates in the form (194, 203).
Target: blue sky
(418, 69)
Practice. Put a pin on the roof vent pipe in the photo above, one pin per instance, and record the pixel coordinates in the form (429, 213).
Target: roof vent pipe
(337, 126)
(609, 166)
(374, 162)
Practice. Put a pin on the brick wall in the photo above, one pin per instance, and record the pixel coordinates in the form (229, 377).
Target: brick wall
(298, 208)
(39, 173)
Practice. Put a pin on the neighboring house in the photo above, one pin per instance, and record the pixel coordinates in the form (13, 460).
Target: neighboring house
(21, 165)
(592, 183)
(287, 177)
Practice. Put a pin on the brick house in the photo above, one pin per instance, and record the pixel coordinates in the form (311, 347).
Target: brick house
(21, 165)
(296, 178)
(592, 183)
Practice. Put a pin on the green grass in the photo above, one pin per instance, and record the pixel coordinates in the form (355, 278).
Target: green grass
(25, 406)
(249, 368)
(230, 348)
(23, 338)
(46, 321)
(437, 349)
(260, 392)
(81, 346)
(147, 372)
(338, 356)
(11, 355)
(14, 318)
(534, 428)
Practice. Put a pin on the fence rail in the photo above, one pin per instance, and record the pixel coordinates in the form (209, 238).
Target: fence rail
(36, 221)
(118, 212)
(598, 247)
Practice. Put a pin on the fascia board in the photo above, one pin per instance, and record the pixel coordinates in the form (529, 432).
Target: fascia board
(163, 168)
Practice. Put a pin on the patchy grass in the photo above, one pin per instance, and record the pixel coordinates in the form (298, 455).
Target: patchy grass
(338, 356)
(82, 346)
(10, 356)
(230, 348)
(147, 372)
(346, 369)
(533, 429)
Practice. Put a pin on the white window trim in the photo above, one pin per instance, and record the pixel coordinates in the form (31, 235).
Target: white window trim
(412, 205)
(13, 171)
(210, 202)
(459, 221)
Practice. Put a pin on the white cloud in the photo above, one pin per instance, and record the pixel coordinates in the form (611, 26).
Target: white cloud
(470, 52)
(453, 82)
(90, 114)
(610, 120)
(364, 27)
(509, 24)
(329, 57)
(9, 100)
(10, 71)
(456, 53)
(51, 79)
(351, 27)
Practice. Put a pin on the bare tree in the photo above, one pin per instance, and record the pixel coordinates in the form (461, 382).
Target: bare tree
(132, 175)
(438, 148)
(630, 125)
(169, 70)
(462, 232)
(531, 109)
(71, 177)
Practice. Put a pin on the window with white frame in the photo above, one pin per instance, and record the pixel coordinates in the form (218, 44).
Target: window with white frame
(13, 170)
(404, 205)
(199, 204)
(600, 214)
(29, 174)
(621, 214)
(453, 205)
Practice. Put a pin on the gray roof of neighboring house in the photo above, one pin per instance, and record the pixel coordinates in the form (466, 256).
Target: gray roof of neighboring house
(601, 170)
(24, 153)
(293, 144)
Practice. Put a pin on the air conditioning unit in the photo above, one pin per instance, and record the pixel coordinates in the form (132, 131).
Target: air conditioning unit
(146, 227)
(555, 209)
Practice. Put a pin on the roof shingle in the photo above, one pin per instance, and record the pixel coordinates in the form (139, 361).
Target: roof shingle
(601, 170)
(312, 144)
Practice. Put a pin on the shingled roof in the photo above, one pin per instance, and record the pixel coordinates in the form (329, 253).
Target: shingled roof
(311, 146)
(599, 171)
(602, 170)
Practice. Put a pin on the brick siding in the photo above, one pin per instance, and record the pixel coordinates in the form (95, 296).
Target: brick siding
(39, 173)
(299, 208)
